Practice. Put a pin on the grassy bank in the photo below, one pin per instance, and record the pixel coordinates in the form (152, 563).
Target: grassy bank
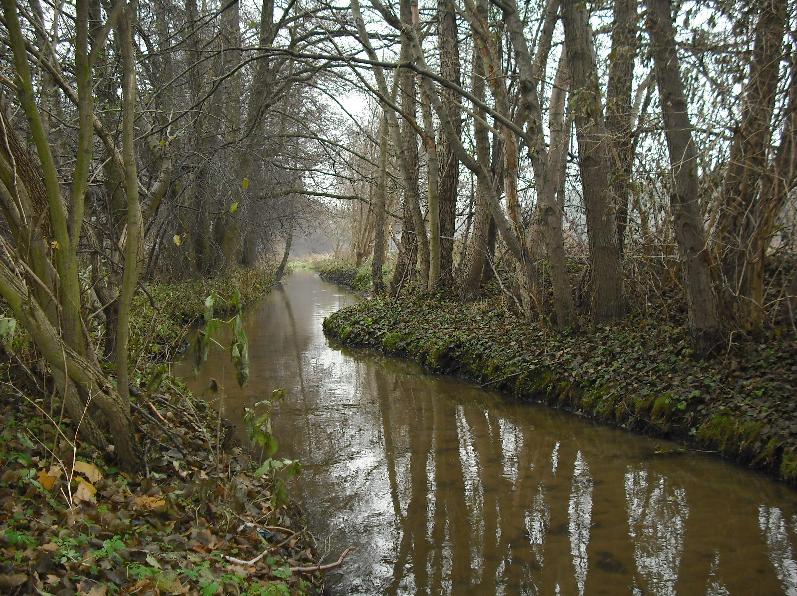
(163, 316)
(638, 374)
(345, 273)
(200, 518)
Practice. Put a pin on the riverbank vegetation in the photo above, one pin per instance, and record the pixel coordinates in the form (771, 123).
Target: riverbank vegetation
(348, 274)
(640, 374)
(620, 171)
(199, 514)
(118, 234)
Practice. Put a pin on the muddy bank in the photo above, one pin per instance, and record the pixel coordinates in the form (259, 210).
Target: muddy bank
(638, 375)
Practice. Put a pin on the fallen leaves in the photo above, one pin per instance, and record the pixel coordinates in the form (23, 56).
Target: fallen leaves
(85, 492)
(49, 478)
(166, 533)
(90, 471)
(149, 503)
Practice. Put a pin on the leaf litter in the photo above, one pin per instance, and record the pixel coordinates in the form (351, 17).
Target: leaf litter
(199, 520)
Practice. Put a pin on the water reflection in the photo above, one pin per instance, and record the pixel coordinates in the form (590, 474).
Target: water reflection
(657, 515)
(444, 488)
(776, 534)
(580, 515)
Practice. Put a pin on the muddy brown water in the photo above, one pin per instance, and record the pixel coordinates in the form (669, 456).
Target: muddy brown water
(443, 487)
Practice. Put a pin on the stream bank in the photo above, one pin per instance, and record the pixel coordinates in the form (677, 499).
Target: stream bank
(638, 374)
(199, 518)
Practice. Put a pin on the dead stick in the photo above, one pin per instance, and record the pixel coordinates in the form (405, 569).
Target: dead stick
(155, 411)
(327, 567)
(261, 555)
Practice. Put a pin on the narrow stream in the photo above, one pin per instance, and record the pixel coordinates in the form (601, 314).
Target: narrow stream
(443, 487)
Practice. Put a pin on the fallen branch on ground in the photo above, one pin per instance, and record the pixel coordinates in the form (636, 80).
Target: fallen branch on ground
(326, 567)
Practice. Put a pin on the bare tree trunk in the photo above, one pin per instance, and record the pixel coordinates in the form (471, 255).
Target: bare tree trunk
(741, 254)
(432, 193)
(619, 115)
(409, 148)
(133, 235)
(547, 165)
(688, 222)
(448, 161)
(200, 236)
(408, 162)
(481, 224)
(550, 211)
(607, 278)
(285, 253)
(380, 217)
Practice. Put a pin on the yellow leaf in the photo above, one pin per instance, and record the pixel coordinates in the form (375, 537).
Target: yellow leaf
(177, 240)
(85, 492)
(90, 471)
(234, 207)
(245, 183)
(55, 244)
(150, 503)
(46, 480)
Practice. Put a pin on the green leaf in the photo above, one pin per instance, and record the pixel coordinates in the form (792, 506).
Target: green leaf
(282, 572)
(234, 208)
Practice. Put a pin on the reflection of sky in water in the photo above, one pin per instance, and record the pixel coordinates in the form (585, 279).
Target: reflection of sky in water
(773, 526)
(580, 517)
(657, 515)
(444, 488)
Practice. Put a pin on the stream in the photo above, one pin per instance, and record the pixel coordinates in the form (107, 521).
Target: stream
(444, 487)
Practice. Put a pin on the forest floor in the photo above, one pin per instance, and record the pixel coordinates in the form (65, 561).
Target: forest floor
(638, 374)
(200, 519)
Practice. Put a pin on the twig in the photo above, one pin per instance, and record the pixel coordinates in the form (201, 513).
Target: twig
(270, 548)
(327, 567)
(155, 410)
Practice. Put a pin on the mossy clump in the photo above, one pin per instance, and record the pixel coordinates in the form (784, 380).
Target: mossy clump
(391, 341)
(662, 408)
(788, 466)
(718, 431)
(729, 435)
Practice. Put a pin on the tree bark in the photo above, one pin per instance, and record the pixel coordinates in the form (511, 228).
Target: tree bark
(482, 217)
(687, 219)
(285, 253)
(740, 249)
(619, 113)
(133, 235)
(380, 216)
(607, 279)
(448, 161)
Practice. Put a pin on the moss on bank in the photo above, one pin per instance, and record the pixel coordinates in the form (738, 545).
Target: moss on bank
(638, 374)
